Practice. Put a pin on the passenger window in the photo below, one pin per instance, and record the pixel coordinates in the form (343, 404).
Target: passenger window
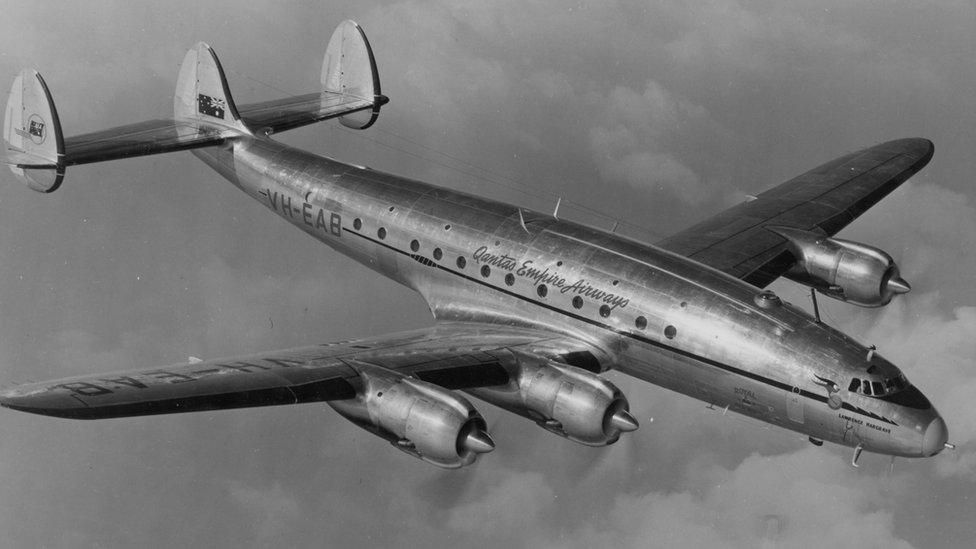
(855, 385)
(878, 388)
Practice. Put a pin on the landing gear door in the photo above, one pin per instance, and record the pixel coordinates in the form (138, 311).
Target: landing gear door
(794, 405)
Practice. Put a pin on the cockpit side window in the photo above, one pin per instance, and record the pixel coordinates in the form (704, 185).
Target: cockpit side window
(855, 385)
(878, 388)
(867, 387)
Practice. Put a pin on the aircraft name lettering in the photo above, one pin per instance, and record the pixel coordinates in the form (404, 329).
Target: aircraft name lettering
(312, 216)
(530, 271)
(746, 394)
(865, 423)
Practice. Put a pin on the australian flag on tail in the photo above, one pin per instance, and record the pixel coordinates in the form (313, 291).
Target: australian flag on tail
(211, 106)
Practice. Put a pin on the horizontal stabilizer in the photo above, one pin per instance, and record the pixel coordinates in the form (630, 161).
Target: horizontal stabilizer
(204, 113)
(350, 90)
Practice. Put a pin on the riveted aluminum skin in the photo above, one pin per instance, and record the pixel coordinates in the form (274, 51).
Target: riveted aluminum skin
(661, 317)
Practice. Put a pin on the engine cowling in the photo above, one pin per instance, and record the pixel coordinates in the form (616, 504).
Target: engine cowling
(424, 420)
(848, 271)
(565, 400)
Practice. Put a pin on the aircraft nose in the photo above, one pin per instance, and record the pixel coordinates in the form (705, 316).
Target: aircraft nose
(936, 436)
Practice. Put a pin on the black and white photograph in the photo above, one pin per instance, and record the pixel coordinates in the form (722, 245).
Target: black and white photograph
(574, 274)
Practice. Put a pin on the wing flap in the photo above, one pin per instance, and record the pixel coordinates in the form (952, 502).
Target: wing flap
(825, 199)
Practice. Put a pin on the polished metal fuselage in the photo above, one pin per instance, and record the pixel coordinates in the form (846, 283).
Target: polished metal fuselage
(659, 317)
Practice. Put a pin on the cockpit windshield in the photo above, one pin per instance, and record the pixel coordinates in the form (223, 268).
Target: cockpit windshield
(878, 387)
(895, 389)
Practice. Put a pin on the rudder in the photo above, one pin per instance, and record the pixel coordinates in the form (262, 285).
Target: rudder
(350, 69)
(202, 94)
(33, 143)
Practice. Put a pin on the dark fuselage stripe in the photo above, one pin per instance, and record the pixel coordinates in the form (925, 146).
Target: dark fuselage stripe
(731, 369)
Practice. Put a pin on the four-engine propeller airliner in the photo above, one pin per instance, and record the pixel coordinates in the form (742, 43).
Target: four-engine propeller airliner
(530, 309)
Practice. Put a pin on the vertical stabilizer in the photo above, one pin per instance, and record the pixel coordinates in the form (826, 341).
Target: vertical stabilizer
(349, 69)
(33, 144)
(202, 94)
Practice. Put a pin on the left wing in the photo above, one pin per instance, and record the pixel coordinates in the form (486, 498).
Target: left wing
(823, 200)
(454, 356)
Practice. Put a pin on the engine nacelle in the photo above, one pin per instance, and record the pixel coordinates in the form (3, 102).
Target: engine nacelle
(849, 271)
(421, 419)
(565, 400)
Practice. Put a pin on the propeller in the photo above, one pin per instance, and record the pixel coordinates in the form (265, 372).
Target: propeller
(897, 285)
(479, 441)
(624, 421)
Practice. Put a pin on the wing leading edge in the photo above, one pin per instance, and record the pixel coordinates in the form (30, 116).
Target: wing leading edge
(454, 356)
(826, 199)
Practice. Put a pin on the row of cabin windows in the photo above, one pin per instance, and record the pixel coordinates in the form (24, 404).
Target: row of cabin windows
(640, 322)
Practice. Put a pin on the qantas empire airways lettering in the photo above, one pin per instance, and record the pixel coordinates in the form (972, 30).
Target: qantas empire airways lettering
(331, 223)
(543, 275)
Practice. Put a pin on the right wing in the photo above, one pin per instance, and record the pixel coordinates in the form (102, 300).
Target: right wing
(453, 356)
(743, 240)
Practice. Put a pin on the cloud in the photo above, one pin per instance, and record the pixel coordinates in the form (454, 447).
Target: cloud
(784, 501)
(511, 506)
(273, 511)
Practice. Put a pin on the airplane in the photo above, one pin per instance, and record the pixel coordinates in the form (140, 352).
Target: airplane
(530, 309)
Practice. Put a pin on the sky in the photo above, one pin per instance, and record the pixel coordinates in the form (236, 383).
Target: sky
(657, 114)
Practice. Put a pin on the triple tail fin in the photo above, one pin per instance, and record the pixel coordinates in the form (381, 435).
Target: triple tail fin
(350, 90)
(202, 95)
(33, 144)
(204, 113)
